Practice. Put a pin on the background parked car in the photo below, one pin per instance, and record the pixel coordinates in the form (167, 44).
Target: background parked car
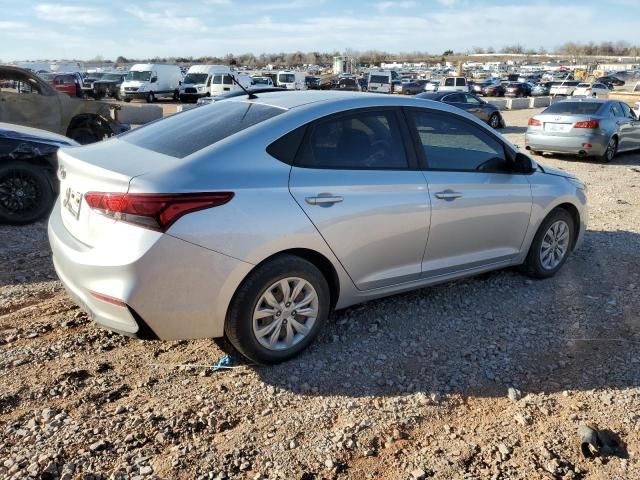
(494, 90)
(69, 83)
(239, 93)
(409, 88)
(31, 102)
(432, 86)
(518, 89)
(564, 88)
(28, 165)
(586, 127)
(478, 88)
(541, 89)
(471, 104)
(348, 84)
(598, 90)
(108, 86)
(611, 80)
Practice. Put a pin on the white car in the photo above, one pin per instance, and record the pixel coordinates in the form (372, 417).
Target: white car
(598, 90)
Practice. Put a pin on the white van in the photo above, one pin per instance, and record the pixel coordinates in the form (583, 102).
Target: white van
(454, 84)
(221, 82)
(151, 81)
(381, 81)
(292, 80)
(197, 82)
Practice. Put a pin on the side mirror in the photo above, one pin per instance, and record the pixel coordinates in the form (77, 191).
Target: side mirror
(523, 163)
(180, 82)
(154, 79)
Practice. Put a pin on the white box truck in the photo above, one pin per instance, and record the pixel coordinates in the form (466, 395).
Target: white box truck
(292, 80)
(197, 81)
(150, 81)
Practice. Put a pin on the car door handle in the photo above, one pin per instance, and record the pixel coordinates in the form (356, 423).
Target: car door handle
(448, 195)
(326, 200)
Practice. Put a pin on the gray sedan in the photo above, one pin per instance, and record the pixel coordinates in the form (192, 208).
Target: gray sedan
(586, 127)
(470, 103)
(254, 218)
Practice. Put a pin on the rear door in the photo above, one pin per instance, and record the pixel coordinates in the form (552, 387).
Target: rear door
(624, 125)
(633, 129)
(359, 184)
(480, 208)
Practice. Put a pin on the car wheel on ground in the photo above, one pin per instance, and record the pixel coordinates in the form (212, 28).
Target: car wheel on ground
(551, 245)
(151, 97)
(127, 100)
(278, 310)
(494, 121)
(610, 152)
(25, 193)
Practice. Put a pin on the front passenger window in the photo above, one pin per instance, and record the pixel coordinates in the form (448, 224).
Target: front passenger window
(453, 144)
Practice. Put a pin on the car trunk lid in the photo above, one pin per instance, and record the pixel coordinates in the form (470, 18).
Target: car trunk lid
(101, 167)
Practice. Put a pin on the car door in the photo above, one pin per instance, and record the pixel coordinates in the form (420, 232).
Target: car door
(476, 107)
(24, 101)
(456, 99)
(480, 207)
(628, 127)
(359, 184)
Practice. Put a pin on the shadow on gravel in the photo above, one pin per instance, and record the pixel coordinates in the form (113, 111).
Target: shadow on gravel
(508, 129)
(577, 331)
(630, 159)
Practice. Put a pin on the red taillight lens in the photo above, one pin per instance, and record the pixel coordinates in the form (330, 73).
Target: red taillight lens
(534, 122)
(156, 211)
(588, 124)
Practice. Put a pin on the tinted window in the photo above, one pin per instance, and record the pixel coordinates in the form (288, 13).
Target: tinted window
(379, 79)
(460, 82)
(451, 143)
(471, 99)
(454, 98)
(185, 133)
(627, 110)
(616, 111)
(574, 108)
(448, 82)
(361, 140)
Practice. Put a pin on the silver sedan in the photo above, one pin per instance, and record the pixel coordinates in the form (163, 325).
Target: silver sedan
(584, 127)
(255, 218)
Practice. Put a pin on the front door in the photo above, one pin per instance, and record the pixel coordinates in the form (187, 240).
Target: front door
(480, 207)
(352, 178)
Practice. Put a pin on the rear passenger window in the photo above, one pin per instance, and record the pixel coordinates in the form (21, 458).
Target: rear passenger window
(453, 144)
(616, 111)
(460, 82)
(364, 140)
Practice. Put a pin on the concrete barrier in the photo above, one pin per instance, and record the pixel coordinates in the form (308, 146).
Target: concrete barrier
(185, 106)
(501, 103)
(138, 114)
(537, 102)
(517, 103)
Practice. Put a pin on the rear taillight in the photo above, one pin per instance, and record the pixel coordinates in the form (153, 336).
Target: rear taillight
(588, 124)
(588, 90)
(155, 211)
(533, 122)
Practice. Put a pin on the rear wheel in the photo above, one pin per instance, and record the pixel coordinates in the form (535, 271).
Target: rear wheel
(494, 121)
(25, 193)
(610, 152)
(278, 310)
(551, 245)
(151, 97)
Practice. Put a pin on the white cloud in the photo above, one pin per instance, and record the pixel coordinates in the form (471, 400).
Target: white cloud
(168, 20)
(447, 3)
(72, 15)
(404, 5)
(219, 3)
(7, 25)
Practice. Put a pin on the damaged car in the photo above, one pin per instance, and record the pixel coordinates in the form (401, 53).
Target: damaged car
(28, 165)
(26, 99)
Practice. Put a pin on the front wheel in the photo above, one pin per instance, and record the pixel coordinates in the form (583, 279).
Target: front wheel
(278, 310)
(551, 245)
(25, 193)
(151, 97)
(494, 121)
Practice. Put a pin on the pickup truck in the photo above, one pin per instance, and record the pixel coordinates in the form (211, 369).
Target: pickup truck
(564, 88)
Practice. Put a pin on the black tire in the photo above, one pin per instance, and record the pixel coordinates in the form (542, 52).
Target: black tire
(610, 152)
(176, 95)
(35, 197)
(494, 121)
(151, 97)
(127, 100)
(239, 321)
(533, 266)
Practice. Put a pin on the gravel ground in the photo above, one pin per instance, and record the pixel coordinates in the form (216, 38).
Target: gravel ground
(407, 387)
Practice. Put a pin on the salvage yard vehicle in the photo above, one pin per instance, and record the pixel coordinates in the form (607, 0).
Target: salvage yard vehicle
(150, 81)
(518, 89)
(586, 127)
(292, 80)
(69, 83)
(611, 80)
(223, 81)
(381, 81)
(209, 80)
(28, 165)
(454, 84)
(564, 88)
(470, 103)
(108, 85)
(597, 90)
(239, 93)
(410, 88)
(254, 218)
(26, 99)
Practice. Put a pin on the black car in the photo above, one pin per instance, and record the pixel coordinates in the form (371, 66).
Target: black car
(313, 83)
(469, 103)
(518, 89)
(611, 80)
(348, 85)
(108, 86)
(28, 165)
(494, 90)
(478, 88)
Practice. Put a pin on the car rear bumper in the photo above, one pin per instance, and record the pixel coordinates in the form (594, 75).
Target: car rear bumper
(172, 289)
(567, 144)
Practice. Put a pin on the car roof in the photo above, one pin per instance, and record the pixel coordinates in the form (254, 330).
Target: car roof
(293, 99)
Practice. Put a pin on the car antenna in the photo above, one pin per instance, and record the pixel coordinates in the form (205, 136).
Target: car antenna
(250, 95)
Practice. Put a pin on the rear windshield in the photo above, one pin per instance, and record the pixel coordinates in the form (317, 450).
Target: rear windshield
(185, 133)
(584, 84)
(574, 108)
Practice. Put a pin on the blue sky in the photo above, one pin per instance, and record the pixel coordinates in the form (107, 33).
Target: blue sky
(32, 30)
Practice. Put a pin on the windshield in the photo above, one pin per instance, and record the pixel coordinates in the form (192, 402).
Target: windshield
(574, 108)
(286, 78)
(185, 133)
(379, 79)
(139, 76)
(195, 78)
(261, 80)
(47, 77)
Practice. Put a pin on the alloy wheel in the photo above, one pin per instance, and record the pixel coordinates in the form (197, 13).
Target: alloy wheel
(19, 193)
(555, 245)
(285, 313)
